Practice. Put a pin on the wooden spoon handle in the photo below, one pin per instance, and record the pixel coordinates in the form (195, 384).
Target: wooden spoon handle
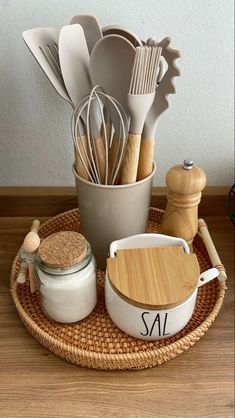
(113, 152)
(130, 164)
(145, 166)
(100, 151)
(35, 225)
(32, 277)
(83, 147)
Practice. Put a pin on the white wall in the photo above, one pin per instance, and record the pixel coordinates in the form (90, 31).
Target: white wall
(35, 143)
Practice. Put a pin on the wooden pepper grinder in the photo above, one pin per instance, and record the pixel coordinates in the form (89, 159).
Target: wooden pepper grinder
(185, 183)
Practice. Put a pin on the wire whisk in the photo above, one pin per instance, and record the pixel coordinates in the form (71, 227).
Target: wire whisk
(93, 152)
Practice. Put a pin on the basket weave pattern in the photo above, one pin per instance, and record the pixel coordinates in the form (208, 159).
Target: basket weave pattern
(96, 342)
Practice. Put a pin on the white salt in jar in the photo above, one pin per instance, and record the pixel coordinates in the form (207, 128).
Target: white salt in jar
(66, 274)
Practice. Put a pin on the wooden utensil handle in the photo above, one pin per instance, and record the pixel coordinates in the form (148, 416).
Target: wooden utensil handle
(215, 260)
(35, 225)
(113, 152)
(32, 278)
(83, 147)
(100, 151)
(130, 164)
(145, 165)
(114, 155)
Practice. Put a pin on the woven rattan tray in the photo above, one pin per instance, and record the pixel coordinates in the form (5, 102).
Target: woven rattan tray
(96, 342)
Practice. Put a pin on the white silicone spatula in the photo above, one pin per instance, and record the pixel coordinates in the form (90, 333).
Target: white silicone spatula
(74, 61)
(91, 27)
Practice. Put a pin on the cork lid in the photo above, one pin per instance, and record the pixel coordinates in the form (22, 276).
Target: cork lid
(63, 249)
(156, 278)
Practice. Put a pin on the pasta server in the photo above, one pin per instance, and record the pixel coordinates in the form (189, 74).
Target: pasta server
(159, 106)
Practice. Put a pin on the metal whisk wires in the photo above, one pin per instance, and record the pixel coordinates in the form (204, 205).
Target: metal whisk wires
(88, 150)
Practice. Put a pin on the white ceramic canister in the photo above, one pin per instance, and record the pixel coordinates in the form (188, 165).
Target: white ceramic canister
(143, 322)
(66, 276)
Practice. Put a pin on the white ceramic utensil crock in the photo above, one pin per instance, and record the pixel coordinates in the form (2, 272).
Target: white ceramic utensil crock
(143, 322)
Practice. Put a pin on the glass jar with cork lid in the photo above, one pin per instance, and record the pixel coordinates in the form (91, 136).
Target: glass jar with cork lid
(66, 276)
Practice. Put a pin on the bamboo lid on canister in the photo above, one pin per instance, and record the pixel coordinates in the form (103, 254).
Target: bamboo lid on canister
(63, 249)
(155, 278)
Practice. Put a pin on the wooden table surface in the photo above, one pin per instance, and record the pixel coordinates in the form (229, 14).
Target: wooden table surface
(36, 383)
